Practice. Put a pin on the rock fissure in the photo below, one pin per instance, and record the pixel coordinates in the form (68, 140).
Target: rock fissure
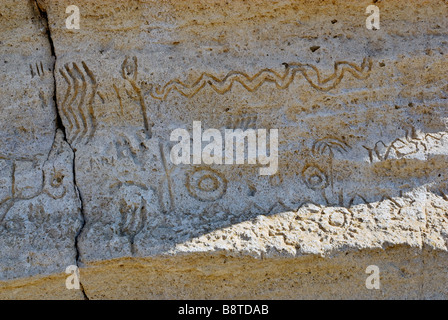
(60, 126)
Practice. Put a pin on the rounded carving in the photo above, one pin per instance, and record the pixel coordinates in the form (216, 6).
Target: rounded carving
(315, 178)
(206, 184)
(335, 219)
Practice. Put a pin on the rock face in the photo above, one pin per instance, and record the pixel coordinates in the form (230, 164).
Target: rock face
(349, 127)
(39, 205)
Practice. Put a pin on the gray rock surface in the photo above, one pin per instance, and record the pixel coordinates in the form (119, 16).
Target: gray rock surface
(361, 117)
(39, 206)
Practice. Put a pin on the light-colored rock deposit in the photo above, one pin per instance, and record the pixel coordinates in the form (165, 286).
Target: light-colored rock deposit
(88, 178)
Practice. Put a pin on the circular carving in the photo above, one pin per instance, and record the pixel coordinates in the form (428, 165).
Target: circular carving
(56, 188)
(315, 178)
(206, 184)
(335, 219)
(56, 179)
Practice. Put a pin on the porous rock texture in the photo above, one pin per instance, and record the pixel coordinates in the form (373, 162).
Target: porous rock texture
(87, 178)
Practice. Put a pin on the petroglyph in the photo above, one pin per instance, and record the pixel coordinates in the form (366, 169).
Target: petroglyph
(37, 70)
(252, 83)
(129, 72)
(77, 103)
(412, 143)
(360, 148)
(205, 184)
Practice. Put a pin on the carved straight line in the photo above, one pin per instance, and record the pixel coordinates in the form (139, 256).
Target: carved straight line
(341, 198)
(160, 196)
(143, 106)
(8, 207)
(290, 208)
(444, 195)
(101, 96)
(42, 98)
(385, 198)
(362, 198)
(13, 180)
(325, 198)
(38, 70)
(32, 71)
(167, 174)
(119, 99)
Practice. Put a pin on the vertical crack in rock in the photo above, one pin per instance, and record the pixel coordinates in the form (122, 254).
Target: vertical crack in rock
(60, 125)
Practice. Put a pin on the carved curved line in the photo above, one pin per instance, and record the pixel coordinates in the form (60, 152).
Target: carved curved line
(251, 84)
(329, 143)
(117, 92)
(54, 196)
(294, 208)
(119, 184)
(444, 195)
(81, 132)
(8, 207)
(389, 148)
(429, 135)
(141, 99)
(92, 98)
(67, 94)
(75, 94)
(388, 198)
(167, 176)
(362, 198)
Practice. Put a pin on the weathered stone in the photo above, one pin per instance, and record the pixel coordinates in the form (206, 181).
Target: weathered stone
(362, 141)
(39, 206)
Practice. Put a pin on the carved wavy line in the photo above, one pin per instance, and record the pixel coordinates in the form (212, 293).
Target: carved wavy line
(73, 98)
(281, 81)
(94, 85)
(64, 102)
(81, 90)
(81, 132)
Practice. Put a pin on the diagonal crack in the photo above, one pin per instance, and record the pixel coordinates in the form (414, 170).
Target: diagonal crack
(60, 125)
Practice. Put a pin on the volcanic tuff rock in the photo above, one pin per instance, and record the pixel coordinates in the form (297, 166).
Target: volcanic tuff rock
(87, 177)
(39, 206)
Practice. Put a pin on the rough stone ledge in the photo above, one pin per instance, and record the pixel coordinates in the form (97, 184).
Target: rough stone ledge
(405, 273)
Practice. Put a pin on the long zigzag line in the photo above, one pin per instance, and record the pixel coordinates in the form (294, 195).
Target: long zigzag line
(92, 98)
(75, 94)
(89, 112)
(251, 84)
(83, 121)
(67, 95)
(79, 133)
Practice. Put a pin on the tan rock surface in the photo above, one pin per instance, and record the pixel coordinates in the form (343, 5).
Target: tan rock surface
(39, 206)
(362, 146)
